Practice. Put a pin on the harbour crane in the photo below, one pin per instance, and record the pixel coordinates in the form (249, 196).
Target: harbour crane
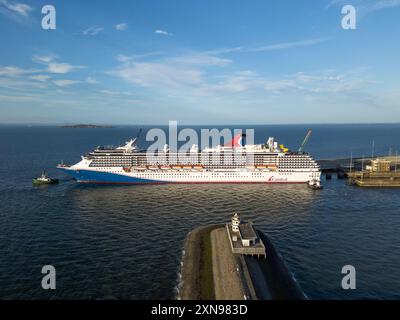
(309, 131)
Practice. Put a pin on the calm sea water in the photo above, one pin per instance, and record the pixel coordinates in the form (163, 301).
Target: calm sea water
(125, 242)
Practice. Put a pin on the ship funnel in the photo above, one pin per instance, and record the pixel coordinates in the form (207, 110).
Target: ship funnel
(236, 141)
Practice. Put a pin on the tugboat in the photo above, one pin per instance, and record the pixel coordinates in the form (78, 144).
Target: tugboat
(44, 179)
(315, 184)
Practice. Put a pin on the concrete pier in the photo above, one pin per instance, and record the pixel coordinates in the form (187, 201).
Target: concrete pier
(375, 179)
(212, 271)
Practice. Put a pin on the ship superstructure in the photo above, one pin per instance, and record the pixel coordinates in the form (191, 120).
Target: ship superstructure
(229, 163)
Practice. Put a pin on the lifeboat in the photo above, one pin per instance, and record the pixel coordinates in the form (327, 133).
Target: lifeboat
(187, 167)
(154, 167)
(250, 167)
(141, 168)
(165, 167)
(261, 167)
(199, 167)
(176, 167)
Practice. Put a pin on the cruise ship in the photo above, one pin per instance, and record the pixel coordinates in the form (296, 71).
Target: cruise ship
(230, 163)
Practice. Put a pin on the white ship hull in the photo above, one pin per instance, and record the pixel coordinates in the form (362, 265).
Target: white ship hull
(119, 175)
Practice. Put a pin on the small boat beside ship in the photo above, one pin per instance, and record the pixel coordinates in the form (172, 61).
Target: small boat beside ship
(44, 179)
(315, 184)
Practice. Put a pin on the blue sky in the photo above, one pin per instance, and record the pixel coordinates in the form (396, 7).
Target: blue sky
(199, 62)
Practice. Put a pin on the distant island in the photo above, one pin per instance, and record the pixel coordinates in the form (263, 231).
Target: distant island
(86, 126)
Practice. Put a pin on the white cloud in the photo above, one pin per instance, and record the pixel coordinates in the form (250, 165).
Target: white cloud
(125, 58)
(40, 77)
(189, 77)
(329, 81)
(286, 45)
(191, 74)
(43, 59)
(109, 92)
(91, 80)
(93, 30)
(158, 74)
(20, 83)
(201, 59)
(116, 93)
(268, 47)
(381, 4)
(173, 72)
(16, 78)
(60, 67)
(365, 7)
(65, 82)
(19, 98)
(11, 71)
(121, 26)
(53, 66)
(16, 7)
(162, 32)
